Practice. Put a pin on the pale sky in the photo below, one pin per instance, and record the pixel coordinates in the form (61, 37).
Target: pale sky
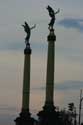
(68, 53)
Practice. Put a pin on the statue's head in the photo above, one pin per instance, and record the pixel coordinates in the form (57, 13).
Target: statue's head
(48, 7)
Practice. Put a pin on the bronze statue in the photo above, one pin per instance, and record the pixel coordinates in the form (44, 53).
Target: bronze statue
(27, 29)
(52, 15)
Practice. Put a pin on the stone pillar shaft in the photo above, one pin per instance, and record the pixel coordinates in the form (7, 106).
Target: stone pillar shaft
(25, 116)
(26, 83)
(49, 116)
(50, 72)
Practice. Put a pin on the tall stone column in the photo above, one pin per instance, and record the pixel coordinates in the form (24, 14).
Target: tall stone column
(25, 116)
(50, 71)
(26, 79)
(48, 116)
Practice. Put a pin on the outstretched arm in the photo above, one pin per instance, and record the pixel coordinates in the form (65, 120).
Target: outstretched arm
(57, 11)
(23, 26)
(33, 27)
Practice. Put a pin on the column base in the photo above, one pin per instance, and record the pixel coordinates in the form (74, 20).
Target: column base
(24, 119)
(49, 116)
(49, 106)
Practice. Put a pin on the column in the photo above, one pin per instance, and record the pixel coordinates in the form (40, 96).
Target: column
(50, 71)
(25, 116)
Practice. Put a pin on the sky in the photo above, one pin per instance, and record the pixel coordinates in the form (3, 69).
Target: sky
(68, 54)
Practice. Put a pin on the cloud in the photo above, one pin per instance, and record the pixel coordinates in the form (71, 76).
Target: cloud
(70, 85)
(66, 85)
(72, 23)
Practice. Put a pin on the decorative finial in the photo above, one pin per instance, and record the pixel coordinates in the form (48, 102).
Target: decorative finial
(28, 29)
(52, 15)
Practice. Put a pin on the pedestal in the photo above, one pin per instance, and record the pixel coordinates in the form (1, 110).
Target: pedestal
(25, 119)
(50, 117)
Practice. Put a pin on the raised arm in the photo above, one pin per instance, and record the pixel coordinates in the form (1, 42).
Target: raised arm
(57, 11)
(33, 27)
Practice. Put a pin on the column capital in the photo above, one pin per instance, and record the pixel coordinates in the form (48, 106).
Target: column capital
(49, 106)
(27, 50)
(51, 36)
